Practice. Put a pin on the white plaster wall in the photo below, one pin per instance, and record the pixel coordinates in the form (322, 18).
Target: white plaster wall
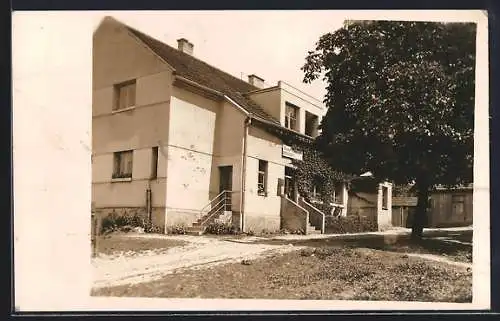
(384, 216)
(190, 151)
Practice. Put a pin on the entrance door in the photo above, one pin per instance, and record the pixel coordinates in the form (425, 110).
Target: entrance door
(290, 190)
(226, 183)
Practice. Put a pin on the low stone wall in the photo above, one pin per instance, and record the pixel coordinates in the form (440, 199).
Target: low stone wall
(293, 216)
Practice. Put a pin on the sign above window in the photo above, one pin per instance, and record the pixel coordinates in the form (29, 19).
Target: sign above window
(289, 152)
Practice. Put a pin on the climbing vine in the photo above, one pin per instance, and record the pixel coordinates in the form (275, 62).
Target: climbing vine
(313, 169)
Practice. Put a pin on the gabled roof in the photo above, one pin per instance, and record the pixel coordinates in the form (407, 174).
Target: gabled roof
(200, 72)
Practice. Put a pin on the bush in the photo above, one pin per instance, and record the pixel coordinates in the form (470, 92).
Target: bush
(218, 228)
(177, 229)
(125, 222)
(350, 224)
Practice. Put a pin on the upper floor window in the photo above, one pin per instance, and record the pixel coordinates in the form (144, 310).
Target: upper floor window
(125, 95)
(123, 162)
(311, 125)
(291, 117)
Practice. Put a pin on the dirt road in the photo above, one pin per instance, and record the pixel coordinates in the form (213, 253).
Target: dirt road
(200, 252)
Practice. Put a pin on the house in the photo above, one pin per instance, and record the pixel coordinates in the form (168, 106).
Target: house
(451, 206)
(181, 142)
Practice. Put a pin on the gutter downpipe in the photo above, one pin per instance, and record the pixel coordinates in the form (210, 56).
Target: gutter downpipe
(248, 121)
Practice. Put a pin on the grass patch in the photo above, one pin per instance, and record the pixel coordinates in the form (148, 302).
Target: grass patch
(119, 243)
(398, 243)
(333, 273)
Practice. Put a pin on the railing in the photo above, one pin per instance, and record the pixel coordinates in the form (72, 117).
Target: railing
(316, 217)
(217, 205)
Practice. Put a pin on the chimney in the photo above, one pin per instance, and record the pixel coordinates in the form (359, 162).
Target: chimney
(185, 46)
(256, 81)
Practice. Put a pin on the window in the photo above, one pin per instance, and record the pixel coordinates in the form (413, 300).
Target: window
(154, 162)
(291, 115)
(385, 197)
(316, 189)
(123, 164)
(262, 178)
(338, 193)
(125, 95)
(311, 125)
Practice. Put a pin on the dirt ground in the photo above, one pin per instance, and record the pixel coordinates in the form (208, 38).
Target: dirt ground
(198, 252)
(313, 274)
(371, 267)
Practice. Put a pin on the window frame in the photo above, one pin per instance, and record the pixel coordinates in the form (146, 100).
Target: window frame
(312, 120)
(126, 85)
(118, 172)
(288, 119)
(262, 173)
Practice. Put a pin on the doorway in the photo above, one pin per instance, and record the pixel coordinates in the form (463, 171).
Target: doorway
(226, 183)
(290, 186)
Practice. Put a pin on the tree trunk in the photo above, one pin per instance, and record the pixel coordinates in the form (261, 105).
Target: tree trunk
(420, 215)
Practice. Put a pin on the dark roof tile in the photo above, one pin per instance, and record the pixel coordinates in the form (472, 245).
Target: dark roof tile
(204, 74)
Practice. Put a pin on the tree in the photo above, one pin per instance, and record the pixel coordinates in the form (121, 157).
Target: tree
(400, 98)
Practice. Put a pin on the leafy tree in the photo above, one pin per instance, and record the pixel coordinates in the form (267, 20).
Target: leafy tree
(400, 98)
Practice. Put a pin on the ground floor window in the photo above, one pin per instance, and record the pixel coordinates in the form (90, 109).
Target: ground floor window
(262, 178)
(123, 162)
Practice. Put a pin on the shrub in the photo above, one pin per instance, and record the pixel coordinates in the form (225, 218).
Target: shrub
(125, 222)
(219, 228)
(350, 224)
(177, 229)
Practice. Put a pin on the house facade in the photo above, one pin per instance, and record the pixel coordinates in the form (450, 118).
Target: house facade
(174, 138)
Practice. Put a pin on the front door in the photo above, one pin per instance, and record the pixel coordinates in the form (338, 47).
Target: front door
(290, 190)
(226, 183)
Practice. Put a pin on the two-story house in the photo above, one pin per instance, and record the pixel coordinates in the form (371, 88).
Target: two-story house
(184, 142)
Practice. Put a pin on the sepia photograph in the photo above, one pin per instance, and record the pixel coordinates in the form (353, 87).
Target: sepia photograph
(285, 155)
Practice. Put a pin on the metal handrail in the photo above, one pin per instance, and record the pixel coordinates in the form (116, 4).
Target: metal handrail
(213, 199)
(217, 209)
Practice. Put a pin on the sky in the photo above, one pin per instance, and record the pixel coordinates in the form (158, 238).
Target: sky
(271, 44)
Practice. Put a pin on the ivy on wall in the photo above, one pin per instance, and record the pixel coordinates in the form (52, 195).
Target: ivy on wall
(313, 169)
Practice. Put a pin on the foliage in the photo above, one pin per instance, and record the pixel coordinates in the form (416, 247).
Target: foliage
(125, 222)
(314, 169)
(349, 224)
(177, 229)
(219, 228)
(400, 100)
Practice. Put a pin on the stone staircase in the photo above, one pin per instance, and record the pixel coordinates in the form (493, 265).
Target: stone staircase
(310, 229)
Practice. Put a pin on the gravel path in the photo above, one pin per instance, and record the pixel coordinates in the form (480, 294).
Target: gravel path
(200, 252)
